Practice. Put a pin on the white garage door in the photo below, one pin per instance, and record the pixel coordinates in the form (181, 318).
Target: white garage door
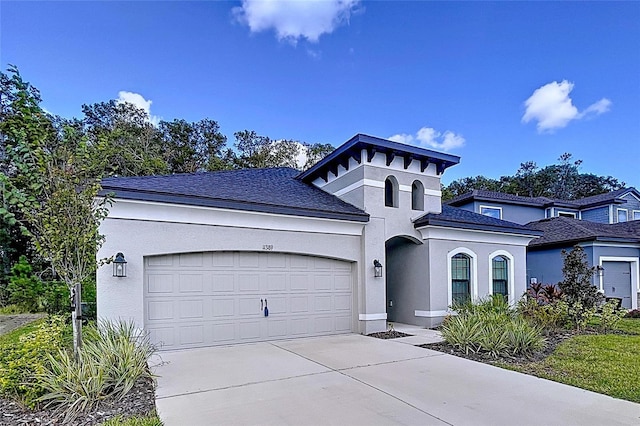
(216, 298)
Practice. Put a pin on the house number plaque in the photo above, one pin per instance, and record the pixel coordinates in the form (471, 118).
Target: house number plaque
(267, 247)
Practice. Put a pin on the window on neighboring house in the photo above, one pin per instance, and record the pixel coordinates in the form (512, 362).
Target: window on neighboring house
(500, 276)
(622, 215)
(636, 215)
(391, 192)
(460, 278)
(495, 212)
(567, 214)
(417, 195)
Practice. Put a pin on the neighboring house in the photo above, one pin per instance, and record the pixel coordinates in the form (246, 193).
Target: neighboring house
(607, 226)
(618, 206)
(358, 239)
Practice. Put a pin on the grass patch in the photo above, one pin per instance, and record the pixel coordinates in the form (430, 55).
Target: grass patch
(629, 325)
(14, 335)
(606, 364)
(150, 420)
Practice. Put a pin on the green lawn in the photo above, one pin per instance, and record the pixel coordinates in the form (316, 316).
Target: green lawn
(14, 335)
(605, 363)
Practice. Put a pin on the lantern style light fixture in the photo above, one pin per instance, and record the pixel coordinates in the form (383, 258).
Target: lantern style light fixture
(377, 269)
(600, 271)
(119, 266)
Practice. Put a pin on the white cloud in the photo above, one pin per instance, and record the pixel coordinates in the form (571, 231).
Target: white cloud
(428, 137)
(139, 101)
(552, 108)
(293, 20)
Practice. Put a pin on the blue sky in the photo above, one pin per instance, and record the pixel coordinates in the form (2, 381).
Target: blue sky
(495, 83)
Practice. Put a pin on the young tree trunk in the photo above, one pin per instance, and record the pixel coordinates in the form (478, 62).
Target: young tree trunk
(76, 319)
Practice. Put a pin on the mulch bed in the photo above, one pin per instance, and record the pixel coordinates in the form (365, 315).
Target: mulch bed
(139, 401)
(389, 334)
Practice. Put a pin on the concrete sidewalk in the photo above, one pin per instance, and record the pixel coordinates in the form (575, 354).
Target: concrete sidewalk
(359, 380)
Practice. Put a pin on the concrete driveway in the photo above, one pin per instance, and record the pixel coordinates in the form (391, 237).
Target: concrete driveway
(359, 380)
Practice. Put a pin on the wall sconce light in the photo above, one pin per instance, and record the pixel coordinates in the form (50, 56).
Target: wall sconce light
(377, 269)
(600, 271)
(119, 266)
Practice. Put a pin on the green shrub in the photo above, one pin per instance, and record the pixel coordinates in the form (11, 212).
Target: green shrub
(24, 288)
(610, 315)
(548, 317)
(633, 314)
(13, 310)
(493, 329)
(112, 359)
(55, 298)
(22, 360)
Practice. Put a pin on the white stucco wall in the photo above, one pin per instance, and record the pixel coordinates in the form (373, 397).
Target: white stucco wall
(140, 229)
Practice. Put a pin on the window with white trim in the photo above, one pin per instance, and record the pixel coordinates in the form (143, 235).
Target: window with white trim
(495, 212)
(622, 215)
(567, 214)
(460, 279)
(636, 215)
(500, 269)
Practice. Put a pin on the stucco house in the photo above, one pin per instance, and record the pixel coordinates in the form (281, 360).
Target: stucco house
(359, 239)
(607, 226)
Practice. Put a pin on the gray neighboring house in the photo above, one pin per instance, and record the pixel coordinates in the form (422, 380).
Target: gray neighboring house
(208, 252)
(607, 226)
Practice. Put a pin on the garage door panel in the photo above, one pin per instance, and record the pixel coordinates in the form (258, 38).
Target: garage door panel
(203, 299)
(223, 282)
(223, 260)
(160, 283)
(249, 282)
(223, 307)
(323, 325)
(249, 306)
(322, 303)
(191, 309)
(224, 332)
(342, 302)
(277, 282)
(323, 282)
(300, 282)
(277, 328)
(249, 260)
(191, 260)
(191, 335)
(299, 304)
(342, 282)
(190, 283)
(249, 330)
(159, 310)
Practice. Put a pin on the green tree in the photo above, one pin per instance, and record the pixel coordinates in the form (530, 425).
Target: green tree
(316, 152)
(54, 192)
(24, 287)
(256, 151)
(579, 292)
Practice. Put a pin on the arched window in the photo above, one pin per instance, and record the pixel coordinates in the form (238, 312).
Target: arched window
(391, 192)
(417, 195)
(500, 268)
(460, 278)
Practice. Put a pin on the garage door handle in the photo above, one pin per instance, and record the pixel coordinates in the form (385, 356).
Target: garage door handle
(261, 305)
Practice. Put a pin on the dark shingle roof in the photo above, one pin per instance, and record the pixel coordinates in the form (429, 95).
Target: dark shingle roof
(272, 190)
(606, 198)
(454, 217)
(483, 195)
(353, 149)
(565, 230)
(543, 202)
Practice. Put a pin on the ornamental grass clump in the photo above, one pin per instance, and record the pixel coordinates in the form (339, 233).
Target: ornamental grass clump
(491, 327)
(112, 359)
